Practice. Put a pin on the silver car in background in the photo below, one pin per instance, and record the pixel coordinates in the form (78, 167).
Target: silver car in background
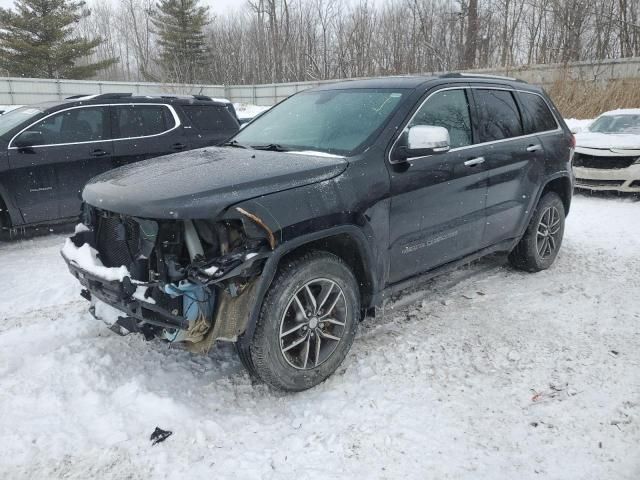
(607, 155)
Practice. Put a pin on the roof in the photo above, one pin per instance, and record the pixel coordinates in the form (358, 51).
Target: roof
(622, 111)
(115, 98)
(415, 81)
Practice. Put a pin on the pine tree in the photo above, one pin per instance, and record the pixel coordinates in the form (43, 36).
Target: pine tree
(179, 25)
(37, 40)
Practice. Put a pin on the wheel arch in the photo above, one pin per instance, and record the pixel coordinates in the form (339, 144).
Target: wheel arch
(9, 215)
(563, 187)
(347, 242)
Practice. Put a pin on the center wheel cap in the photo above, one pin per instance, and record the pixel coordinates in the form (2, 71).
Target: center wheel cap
(313, 323)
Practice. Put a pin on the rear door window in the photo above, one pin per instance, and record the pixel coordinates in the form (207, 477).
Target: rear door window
(210, 118)
(448, 109)
(536, 113)
(142, 120)
(498, 115)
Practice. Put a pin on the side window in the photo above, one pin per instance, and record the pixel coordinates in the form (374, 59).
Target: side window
(538, 117)
(142, 120)
(210, 118)
(85, 124)
(498, 115)
(448, 109)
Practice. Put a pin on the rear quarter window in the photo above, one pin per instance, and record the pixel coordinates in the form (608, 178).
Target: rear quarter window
(498, 116)
(536, 113)
(210, 118)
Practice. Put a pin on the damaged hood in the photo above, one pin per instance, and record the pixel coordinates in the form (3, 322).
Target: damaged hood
(202, 183)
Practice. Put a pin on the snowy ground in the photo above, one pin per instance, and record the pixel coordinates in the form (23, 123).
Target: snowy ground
(486, 373)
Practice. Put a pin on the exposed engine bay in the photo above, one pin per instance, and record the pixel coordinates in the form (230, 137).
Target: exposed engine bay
(179, 280)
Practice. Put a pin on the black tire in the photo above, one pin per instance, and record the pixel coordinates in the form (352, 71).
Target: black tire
(531, 254)
(264, 356)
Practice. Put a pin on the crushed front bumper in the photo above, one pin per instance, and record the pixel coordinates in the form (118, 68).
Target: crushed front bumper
(120, 296)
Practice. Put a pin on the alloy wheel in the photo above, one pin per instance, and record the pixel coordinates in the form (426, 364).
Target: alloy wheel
(313, 324)
(548, 232)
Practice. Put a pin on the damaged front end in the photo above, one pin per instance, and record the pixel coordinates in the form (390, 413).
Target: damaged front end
(190, 281)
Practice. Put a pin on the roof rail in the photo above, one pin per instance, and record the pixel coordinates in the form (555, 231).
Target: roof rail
(107, 96)
(480, 75)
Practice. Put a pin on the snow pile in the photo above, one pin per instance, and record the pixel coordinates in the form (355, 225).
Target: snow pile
(484, 373)
(246, 111)
(86, 258)
(7, 108)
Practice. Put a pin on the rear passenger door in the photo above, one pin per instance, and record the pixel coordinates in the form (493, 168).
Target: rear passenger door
(514, 162)
(145, 130)
(209, 124)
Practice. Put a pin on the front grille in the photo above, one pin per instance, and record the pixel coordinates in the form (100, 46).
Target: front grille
(599, 183)
(117, 240)
(610, 163)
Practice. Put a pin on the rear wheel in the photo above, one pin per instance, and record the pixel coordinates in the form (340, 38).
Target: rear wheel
(539, 247)
(307, 323)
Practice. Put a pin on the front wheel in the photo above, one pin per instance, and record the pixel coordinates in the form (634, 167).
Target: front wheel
(307, 323)
(540, 244)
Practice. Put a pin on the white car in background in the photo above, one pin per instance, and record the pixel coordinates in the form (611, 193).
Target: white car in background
(607, 155)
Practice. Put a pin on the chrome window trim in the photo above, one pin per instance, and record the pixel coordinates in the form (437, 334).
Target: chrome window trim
(473, 145)
(176, 118)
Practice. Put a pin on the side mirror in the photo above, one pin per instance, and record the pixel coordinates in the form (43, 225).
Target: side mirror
(423, 140)
(29, 138)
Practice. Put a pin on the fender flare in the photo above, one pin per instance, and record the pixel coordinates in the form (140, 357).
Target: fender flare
(548, 180)
(271, 267)
(14, 212)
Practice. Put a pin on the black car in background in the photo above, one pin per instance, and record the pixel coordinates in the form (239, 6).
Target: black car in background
(50, 150)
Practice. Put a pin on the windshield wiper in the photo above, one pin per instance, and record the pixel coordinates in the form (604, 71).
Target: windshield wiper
(273, 147)
(235, 144)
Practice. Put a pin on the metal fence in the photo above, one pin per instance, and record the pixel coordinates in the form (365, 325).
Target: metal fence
(21, 91)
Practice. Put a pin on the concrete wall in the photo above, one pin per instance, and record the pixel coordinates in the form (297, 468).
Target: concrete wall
(21, 91)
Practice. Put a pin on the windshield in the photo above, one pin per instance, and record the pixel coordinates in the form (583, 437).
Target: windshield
(14, 118)
(331, 121)
(617, 124)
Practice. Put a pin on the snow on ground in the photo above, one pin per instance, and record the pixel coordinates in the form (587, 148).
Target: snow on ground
(246, 111)
(485, 373)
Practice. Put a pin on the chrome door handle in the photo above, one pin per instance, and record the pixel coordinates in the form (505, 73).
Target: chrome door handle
(474, 161)
(534, 148)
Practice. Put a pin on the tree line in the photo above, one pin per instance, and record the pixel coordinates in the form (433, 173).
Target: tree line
(269, 41)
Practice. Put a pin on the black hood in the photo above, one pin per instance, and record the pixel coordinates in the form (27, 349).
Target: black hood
(202, 183)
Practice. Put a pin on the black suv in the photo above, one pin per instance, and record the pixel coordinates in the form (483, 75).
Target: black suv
(286, 238)
(49, 151)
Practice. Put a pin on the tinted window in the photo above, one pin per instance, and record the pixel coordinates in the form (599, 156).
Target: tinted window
(539, 117)
(142, 120)
(209, 118)
(448, 109)
(498, 115)
(71, 126)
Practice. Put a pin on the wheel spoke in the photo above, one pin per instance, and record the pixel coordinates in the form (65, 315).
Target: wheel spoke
(299, 306)
(328, 336)
(333, 321)
(333, 305)
(306, 352)
(318, 342)
(291, 330)
(552, 244)
(295, 343)
(326, 297)
(311, 298)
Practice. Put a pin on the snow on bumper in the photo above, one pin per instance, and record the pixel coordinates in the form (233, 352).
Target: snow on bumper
(622, 179)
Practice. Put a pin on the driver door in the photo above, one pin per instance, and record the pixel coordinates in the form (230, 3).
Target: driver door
(438, 201)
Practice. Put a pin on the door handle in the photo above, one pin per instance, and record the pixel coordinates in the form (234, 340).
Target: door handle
(474, 161)
(178, 146)
(99, 153)
(534, 148)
